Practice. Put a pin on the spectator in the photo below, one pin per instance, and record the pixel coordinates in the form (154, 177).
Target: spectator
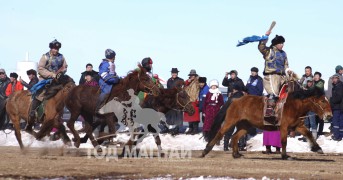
(89, 79)
(335, 102)
(192, 88)
(32, 74)
(319, 83)
(255, 83)
(212, 103)
(339, 72)
(171, 83)
(173, 117)
(202, 95)
(308, 73)
(230, 82)
(95, 75)
(14, 85)
(310, 121)
(4, 81)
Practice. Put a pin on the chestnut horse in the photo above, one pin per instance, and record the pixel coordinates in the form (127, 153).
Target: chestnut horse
(18, 105)
(82, 101)
(248, 111)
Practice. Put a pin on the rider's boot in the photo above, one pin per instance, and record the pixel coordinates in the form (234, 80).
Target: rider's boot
(270, 106)
(32, 114)
(99, 103)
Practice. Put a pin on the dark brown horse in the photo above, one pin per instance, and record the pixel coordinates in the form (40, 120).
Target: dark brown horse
(18, 105)
(82, 101)
(248, 111)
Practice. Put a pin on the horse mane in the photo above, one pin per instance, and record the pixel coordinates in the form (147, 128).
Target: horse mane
(56, 86)
(303, 94)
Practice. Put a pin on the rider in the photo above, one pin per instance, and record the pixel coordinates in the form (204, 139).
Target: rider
(108, 76)
(51, 65)
(276, 66)
(147, 65)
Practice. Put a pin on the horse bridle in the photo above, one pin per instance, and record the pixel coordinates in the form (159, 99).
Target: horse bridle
(318, 105)
(145, 86)
(178, 102)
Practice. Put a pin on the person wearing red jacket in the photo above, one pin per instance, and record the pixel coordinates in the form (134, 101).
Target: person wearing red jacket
(14, 85)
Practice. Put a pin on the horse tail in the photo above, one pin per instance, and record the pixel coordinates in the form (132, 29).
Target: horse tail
(218, 120)
(4, 120)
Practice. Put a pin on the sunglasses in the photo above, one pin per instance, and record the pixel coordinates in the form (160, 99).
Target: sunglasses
(1, 73)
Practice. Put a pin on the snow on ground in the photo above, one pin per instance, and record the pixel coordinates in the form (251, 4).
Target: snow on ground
(186, 142)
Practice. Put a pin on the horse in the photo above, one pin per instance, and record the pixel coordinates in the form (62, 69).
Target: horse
(248, 111)
(82, 101)
(18, 105)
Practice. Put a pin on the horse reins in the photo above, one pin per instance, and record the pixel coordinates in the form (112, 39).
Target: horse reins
(145, 86)
(178, 102)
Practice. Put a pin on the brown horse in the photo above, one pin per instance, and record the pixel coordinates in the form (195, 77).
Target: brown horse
(82, 101)
(248, 111)
(18, 105)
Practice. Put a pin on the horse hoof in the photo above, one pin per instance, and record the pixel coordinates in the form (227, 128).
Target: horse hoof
(99, 150)
(320, 151)
(77, 144)
(236, 155)
(74, 140)
(68, 143)
(286, 157)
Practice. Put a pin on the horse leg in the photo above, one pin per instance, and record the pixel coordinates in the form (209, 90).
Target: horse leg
(241, 131)
(314, 145)
(89, 132)
(45, 129)
(84, 139)
(111, 126)
(63, 133)
(227, 125)
(16, 124)
(70, 124)
(129, 144)
(284, 133)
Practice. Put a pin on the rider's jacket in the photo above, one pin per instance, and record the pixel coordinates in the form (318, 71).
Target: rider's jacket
(50, 64)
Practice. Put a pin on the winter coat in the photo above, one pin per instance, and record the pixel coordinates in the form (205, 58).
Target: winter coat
(31, 83)
(171, 83)
(49, 65)
(337, 95)
(192, 88)
(228, 82)
(13, 87)
(329, 91)
(95, 76)
(202, 96)
(275, 60)
(3, 85)
(319, 84)
(108, 76)
(255, 85)
(211, 109)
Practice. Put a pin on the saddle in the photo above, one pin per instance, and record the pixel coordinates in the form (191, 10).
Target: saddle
(273, 118)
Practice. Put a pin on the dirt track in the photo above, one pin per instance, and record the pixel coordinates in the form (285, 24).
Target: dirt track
(73, 163)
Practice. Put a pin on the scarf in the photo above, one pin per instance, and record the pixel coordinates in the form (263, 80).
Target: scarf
(215, 94)
(251, 39)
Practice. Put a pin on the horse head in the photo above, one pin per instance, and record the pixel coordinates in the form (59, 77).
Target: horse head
(143, 82)
(316, 101)
(184, 103)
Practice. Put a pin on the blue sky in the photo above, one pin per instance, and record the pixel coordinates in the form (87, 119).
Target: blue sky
(187, 34)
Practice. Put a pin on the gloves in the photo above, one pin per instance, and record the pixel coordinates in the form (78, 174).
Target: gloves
(58, 75)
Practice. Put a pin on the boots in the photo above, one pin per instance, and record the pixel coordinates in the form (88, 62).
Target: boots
(270, 107)
(190, 128)
(99, 102)
(268, 150)
(32, 114)
(195, 128)
(277, 151)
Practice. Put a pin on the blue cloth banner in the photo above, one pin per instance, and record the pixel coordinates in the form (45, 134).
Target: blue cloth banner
(250, 39)
(39, 86)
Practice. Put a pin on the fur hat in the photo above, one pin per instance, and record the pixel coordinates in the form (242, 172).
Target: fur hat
(233, 71)
(278, 40)
(214, 82)
(31, 71)
(55, 44)
(110, 54)
(202, 79)
(14, 75)
(2, 71)
(254, 69)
